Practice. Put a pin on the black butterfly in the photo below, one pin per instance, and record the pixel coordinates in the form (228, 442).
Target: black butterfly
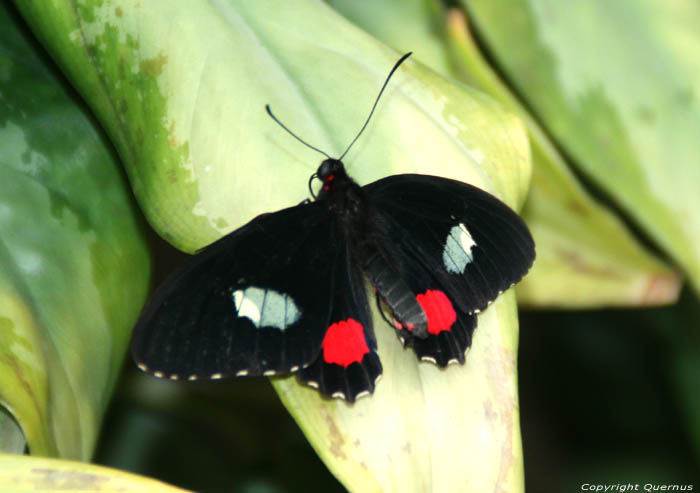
(285, 293)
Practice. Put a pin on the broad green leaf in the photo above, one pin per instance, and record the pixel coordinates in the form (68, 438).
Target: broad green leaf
(616, 84)
(181, 89)
(585, 256)
(426, 429)
(186, 110)
(406, 25)
(31, 474)
(73, 265)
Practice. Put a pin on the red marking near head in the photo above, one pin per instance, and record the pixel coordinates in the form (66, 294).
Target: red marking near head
(344, 343)
(326, 182)
(438, 310)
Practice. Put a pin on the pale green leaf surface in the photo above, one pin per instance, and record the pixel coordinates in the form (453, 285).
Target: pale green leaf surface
(406, 25)
(425, 428)
(585, 256)
(21, 474)
(73, 265)
(182, 91)
(616, 84)
(182, 88)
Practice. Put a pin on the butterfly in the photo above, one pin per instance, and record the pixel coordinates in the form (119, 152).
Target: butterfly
(285, 293)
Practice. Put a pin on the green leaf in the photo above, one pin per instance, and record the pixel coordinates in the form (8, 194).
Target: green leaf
(425, 428)
(181, 89)
(73, 265)
(585, 256)
(616, 84)
(31, 474)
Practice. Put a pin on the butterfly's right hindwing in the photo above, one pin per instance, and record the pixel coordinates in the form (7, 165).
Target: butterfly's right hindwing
(256, 302)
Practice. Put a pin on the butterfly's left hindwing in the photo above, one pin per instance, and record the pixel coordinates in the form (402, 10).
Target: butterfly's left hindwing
(456, 246)
(256, 302)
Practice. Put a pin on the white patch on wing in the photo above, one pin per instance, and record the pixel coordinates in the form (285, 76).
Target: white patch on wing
(458, 249)
(265, 307)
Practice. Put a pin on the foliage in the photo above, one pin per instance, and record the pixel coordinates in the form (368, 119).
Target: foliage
(567, 100)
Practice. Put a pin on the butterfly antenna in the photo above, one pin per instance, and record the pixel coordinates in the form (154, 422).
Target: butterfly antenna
(401, 60)
(269, 112)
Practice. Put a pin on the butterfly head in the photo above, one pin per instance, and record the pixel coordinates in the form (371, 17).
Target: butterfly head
(331, 172)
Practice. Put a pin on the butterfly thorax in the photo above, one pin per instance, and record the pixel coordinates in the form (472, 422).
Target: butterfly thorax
(345, 198)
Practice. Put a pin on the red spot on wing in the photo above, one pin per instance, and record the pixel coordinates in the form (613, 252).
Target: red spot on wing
(438, 310)
(344, 343)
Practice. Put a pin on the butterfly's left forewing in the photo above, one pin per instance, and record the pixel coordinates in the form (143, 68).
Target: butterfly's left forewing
(256, 302)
